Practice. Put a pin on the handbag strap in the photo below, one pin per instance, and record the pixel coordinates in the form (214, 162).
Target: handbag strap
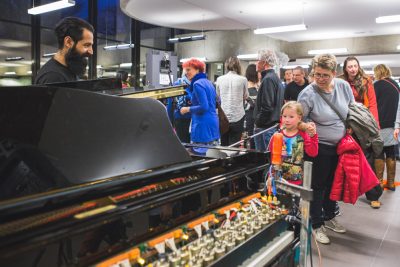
(395, 87)
(329, 103)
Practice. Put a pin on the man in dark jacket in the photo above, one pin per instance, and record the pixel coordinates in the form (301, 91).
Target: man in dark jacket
(269, 99)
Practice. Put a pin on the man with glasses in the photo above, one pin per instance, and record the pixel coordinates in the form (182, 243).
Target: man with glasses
(299, 82)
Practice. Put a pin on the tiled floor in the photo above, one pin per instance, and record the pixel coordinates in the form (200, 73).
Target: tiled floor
(372, 238)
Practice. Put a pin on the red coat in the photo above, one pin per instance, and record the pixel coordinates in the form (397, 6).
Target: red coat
(353, 175)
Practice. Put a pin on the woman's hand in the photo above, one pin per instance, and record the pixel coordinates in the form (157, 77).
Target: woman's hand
(185, 110)
(396, 133)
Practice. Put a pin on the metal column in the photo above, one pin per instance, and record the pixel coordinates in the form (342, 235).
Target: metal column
(93, 7)
(135, 52)
(35, 43)
(305, 215)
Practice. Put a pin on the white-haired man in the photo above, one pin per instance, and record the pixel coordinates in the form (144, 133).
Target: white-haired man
(269, 99)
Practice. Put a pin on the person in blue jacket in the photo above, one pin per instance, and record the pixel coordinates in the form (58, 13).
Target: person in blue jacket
(181, 122)
(205, 126)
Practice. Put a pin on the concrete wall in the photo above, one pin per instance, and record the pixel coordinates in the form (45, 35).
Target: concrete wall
(219, 45)
(373, 45)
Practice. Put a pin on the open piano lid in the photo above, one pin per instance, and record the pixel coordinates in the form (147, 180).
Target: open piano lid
(88, 136)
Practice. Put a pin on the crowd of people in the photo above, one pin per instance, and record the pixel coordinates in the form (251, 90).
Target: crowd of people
(307, 108)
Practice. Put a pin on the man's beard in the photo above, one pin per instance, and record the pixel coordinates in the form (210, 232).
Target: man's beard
(76, 62)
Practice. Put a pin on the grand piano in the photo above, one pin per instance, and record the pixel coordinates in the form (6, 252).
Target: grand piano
(91, 179)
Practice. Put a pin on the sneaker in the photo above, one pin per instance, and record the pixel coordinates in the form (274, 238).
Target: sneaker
(335, 226)
(320, 235)
(375, 204)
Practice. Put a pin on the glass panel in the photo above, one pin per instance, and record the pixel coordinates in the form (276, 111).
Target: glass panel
(113, 27)
(15, 42)
(50, 19)
(16, 10)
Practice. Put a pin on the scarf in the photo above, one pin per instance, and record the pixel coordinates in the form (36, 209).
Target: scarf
(360, 83)
(198, 76)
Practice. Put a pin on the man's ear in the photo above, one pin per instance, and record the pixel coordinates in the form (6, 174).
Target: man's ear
(68, 42)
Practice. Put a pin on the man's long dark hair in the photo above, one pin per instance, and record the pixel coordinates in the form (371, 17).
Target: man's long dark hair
(73, 27)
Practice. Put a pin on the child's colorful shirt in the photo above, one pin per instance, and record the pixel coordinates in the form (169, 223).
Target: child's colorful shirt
(293, 155)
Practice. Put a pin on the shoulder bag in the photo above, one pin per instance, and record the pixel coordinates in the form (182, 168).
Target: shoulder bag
(361, 121)
(222, 119)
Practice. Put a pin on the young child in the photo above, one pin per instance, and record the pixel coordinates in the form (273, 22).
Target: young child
(298, 138)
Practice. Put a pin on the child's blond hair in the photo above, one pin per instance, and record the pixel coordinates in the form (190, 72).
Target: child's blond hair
(293, 105)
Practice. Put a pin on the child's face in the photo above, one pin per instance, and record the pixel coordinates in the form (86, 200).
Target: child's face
(290, 119)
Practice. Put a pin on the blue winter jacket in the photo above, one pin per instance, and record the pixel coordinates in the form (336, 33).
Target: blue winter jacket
(205, 126)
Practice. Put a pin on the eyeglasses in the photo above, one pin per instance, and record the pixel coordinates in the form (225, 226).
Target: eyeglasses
(321, 76)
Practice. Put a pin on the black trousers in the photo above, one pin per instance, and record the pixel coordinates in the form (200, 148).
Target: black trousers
(234, 134)
(182, 129)
(249, 127)
(323, 172)
(388, 152)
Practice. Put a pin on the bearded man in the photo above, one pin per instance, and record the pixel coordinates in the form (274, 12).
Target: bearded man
(75, 41)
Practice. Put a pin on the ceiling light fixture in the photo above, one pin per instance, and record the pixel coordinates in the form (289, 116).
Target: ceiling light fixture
(118, 46)
(247, 56)
(398, 47)
(14, 58)
(289, 28)
(328, 51)
(187, 39)
(125, 65)
(387, 19)
(10, 73)
(289, 67)
(48, 55)
(199, 58)
(51, 7)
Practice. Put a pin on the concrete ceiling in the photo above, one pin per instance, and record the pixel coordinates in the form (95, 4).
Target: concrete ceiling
(326, 19)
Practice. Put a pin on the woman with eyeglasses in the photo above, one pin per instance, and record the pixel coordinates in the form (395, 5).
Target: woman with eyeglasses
(331, 130)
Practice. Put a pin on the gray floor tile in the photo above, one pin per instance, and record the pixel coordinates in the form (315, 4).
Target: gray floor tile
(388, 255)
(372, 238)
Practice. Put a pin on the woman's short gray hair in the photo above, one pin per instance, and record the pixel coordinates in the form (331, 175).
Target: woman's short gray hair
(324, 61)
(268, 56)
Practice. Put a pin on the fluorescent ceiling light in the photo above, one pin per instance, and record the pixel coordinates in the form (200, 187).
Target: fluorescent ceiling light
(187, 39)
(328, 51)
(363, 63)
(51, 7)
(199, 58)
(10, 73)
(29, 72)
(288, 67)
(48, 55)
(289, 28)
(118, 46)
(14, 58)
(125, 65)
(247, 56)
(369, 72)
(388, 19)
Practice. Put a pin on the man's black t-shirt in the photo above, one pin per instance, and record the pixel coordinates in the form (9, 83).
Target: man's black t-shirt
(293, 90)
(54, 72)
